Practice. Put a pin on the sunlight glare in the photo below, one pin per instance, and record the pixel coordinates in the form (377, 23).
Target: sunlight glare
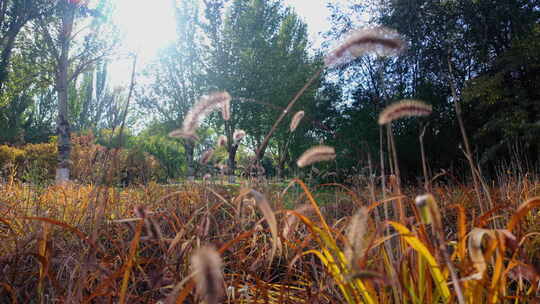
(146, 25)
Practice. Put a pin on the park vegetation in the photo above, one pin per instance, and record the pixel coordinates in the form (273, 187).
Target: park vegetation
(398, 162)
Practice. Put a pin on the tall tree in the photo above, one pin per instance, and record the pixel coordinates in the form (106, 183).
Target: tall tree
(258, 53)
(61, 40)
(471, 37)
(14, 15)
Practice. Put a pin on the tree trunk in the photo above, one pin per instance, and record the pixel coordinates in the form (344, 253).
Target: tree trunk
(232, 163)
(188, 148)
(63, 129)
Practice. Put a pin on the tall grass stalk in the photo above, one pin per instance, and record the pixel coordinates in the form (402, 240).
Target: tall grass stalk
(427, 181)
(262, 147)
(468, 152)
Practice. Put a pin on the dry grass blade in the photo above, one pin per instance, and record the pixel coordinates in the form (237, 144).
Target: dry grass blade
(522, 210)
(291, 220)
(462, 230)
(9, 289)
(404, 108)
(129, 263)
(316, 154)
(476, 249)
(206, 265)
(476, 253)
(380, 40)
(151, 226)
(76, 231)
(355, 235)
(296, 120)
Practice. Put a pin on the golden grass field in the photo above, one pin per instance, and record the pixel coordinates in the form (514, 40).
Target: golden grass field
(277, 244)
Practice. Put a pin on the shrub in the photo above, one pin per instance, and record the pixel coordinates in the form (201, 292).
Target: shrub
(36, 163)
(11, 159)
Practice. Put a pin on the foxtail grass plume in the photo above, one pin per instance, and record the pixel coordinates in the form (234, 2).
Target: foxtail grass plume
(238, 135)
(380, 40)
(355, 235)
(404, 108)
(226, 106)
(429, 210)
(206, 264)
(316, 154)
(203, 107)
(270, 217)
(179, 133)
(206, 156)
(296, 120)
(222, 141)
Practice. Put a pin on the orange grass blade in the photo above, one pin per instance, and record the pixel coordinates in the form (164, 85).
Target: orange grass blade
(102, 288)
(129, 264)
(314, 204)
(79, 233)
(185, 292)
(11, 292)
(522, 210)
(45, 263)
(462, 230)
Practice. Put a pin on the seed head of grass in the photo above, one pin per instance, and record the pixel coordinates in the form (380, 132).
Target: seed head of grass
(316, 154)
(206, 264)
(270, 217)
(180, 133)
(355, 235)
(404, 108)
(380, 40)
(296, 120)
(206, 156)
(429, 210)
(222, 141)
(226, 106)
(203, 107)
(238, 135)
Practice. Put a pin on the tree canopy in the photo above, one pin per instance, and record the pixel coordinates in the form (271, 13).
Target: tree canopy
(485, 55)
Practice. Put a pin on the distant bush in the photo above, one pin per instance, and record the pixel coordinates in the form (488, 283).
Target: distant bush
(36, 163)
(11, 159)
